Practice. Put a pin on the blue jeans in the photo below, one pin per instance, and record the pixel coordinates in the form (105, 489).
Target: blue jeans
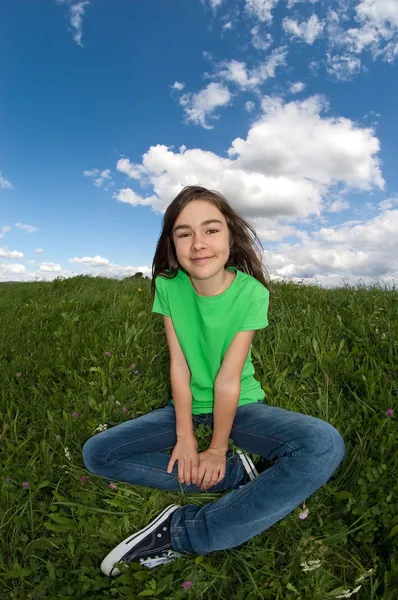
(308, 451)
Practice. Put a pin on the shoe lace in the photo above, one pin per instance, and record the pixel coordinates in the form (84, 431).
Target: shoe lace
(164, 559)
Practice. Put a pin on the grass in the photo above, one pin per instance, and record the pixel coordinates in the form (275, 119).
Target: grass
(329, 353)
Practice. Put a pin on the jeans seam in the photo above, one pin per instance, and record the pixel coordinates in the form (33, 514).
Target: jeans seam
(244, 490)
(135, 440)
(264, 437)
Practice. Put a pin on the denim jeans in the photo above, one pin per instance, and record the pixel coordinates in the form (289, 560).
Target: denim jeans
(307, 452)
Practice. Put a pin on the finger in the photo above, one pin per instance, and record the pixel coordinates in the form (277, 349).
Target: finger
(207, 479)
(194, 471)
(187, 471)
(220, 477)
(171, 464)
(201, 473)
(181, 470)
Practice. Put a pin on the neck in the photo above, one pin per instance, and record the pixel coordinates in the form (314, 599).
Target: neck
(214, 285)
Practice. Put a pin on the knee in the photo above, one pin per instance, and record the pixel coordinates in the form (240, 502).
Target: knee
(331, 443)
(91, 454)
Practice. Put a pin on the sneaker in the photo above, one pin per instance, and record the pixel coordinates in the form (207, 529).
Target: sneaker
(150, 547)
(251, 471)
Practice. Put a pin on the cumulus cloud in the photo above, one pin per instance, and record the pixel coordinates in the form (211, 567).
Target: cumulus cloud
(4, 183)
(76, 14)
(339, 205)
(3, 230)
(297, 87)
(215, 4)
(28, 228)
(50, 267)
(12, 272)
(178, 85)
(199, 107)
(293, 156)
(261, 41)
(95, 261)
(227, 25)
(99, 177)
(371, 27)
(10, 253)
(306, 30)
(343, 66)
(238, 73)
(38, 250)
(249, 106)
(261, 9)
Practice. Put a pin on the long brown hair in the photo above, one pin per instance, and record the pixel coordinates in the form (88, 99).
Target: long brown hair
(245, 252)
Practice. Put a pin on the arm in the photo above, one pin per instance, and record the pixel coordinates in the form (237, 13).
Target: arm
(180, 377)
(227, 389)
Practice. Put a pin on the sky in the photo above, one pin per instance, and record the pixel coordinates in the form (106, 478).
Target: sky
(289, 108)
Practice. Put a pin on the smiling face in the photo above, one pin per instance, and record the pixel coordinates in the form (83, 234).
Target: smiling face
(201, 238)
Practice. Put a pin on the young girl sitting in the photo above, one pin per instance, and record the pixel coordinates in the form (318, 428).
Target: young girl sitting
(210, 287)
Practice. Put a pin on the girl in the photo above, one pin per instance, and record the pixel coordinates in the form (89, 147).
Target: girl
(210, 288)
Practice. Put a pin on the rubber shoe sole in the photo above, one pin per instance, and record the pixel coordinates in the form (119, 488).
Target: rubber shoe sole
(117, 554)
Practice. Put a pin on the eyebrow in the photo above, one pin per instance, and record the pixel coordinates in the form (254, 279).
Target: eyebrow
(208, 222)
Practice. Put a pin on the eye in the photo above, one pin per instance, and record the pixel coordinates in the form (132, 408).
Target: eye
(212, 231)
(182, 235)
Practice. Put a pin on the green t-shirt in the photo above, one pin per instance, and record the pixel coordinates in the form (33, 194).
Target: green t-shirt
(206, 325)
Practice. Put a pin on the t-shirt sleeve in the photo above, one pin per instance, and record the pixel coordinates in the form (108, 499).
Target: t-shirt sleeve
(160, 303)
(256, 313)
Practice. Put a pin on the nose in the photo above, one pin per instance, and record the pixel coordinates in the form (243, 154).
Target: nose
(197, 242)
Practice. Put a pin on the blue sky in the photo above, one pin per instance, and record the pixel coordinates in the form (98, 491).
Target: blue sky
(289, 108)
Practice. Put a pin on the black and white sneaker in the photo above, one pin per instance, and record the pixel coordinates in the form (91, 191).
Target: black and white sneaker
(251, 471)
(150, 546)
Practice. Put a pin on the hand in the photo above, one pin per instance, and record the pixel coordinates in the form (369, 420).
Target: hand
(186, 454)
(212, 468)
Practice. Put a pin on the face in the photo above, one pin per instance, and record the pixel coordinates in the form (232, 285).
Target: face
(201, 238)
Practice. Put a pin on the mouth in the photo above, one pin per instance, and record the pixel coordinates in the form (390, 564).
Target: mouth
(201, 261)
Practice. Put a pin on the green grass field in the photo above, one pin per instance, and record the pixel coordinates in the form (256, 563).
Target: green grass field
(329, 353)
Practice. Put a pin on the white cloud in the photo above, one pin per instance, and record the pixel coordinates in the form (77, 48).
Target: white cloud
(376, 31)
(178, 85)
(259, 40)
(4, 183)
(297, 87)
(50, 267)
(262, 9)
(343, 66)
(96, 261)
(128, 196)
(28, 228)
(99, 177)
(339, 205)
(38, 250)
(306, 30)
(3, 230)
(76, 14)
(292, 158)
(249, 106)
(379, 11)
(32, 262)
(388, 203)
(11, 272)
(238, 73)
(201, 106)
(227, 25)
(215, 4)
(10, 253)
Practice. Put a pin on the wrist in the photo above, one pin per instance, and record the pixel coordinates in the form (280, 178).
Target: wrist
(221, 450)
(186, 434)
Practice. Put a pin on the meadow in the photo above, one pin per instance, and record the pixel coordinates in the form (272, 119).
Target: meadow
(80, 354)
